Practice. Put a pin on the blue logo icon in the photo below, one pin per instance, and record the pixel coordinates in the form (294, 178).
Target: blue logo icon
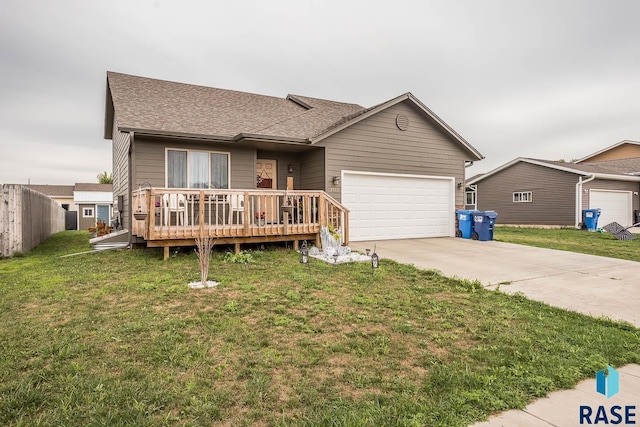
(608, 384)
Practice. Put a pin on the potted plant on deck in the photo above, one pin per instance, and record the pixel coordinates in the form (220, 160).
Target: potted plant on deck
(260, 218)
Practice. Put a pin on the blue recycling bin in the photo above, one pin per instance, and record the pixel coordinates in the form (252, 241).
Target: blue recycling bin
(590, 218)
(483, 224)
(465, 223)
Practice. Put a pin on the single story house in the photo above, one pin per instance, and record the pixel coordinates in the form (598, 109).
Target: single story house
(62, 194)
(85, 203)
(95, 204)
(543, 192)
(194, 161)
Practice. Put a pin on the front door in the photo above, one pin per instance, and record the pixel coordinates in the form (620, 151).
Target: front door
(266, 174)
(267, 179)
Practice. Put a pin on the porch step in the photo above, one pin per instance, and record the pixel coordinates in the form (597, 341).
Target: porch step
(118, 239)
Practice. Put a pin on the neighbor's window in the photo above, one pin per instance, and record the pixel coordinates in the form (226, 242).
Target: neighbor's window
(197, 169)
(471, 198)
(523, 196)
(87, 212)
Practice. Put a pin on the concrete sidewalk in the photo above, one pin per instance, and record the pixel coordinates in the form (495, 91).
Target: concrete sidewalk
(589, 284)
(562, 408)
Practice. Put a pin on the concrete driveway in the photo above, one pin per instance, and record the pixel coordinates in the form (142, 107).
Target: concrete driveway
(589, 284)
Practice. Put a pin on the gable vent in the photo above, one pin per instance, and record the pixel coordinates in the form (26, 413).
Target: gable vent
(402, 122)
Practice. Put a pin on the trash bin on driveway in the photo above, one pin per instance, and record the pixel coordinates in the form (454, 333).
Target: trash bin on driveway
(465, 223)
(483, 223)
(590, 218)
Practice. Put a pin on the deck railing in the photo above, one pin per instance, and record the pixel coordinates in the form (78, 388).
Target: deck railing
(173, 213)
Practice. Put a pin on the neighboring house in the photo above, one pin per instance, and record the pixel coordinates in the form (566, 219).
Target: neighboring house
(63, 194)
(622, 150)
(394, 170)
(543, 192)
(85, 203)
(95, 204)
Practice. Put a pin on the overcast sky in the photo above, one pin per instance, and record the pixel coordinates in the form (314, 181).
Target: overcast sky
(543, 79)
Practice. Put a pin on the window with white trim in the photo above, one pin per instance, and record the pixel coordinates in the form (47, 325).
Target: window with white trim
(471, 198)
(197, 169)
(523, 197)
(87, 212)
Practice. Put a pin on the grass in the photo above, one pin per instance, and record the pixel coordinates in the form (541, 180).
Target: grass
(117, 338)
(603, 244)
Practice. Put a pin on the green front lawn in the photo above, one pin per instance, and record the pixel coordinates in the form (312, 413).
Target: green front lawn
(569, 239)
(117, 338)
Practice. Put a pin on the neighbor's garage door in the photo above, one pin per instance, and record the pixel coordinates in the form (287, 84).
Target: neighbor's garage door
(615, 205)
(390, 206)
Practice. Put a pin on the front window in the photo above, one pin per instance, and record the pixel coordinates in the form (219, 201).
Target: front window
(523, 197)
(87, 212)
(197, 169)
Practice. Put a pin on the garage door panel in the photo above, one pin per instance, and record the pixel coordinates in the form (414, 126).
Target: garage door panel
(614, 205)
(396, 206)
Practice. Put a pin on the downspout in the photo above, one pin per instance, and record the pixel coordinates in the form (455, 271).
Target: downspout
(468, 164)
(579, 198)
(129, 214)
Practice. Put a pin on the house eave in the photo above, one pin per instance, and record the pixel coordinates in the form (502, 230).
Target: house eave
(612, 177)
(178, 135)
(239, 138)
(269, 138)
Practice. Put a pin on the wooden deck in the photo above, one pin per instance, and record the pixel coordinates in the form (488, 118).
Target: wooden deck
(166, 217)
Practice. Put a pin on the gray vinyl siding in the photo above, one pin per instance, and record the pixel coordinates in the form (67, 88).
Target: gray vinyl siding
(85, 223)
(376, 144)
(149, 161)
(313, 164)
(120, 171)
(554, 195)
(600, 184)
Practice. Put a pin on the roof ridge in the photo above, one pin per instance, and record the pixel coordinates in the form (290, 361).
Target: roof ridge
(194, 85)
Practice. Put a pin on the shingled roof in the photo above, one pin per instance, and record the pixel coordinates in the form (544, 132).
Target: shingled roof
(622, 169)
(158, 106)
(53, 190)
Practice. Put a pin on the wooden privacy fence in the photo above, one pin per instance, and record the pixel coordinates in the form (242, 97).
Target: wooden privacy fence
(27, 218)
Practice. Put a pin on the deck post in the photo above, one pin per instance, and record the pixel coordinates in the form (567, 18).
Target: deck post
(201, 214)
(236, 248)
(166, 253)
(295, 245)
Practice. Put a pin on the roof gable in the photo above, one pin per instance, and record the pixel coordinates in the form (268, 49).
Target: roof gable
(349, 121)
(603, 153)
(614, 170)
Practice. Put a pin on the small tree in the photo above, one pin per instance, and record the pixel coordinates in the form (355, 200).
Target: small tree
(105, 178)
(204, 246)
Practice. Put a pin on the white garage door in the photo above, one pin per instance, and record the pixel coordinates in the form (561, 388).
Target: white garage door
(390, 206)
(615, 205)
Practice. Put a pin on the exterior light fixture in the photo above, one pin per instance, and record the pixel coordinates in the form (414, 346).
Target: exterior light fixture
(336, 180)
(335, 257)
(459, 185)
(304, 253)
(290, 168)
(368, 251)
